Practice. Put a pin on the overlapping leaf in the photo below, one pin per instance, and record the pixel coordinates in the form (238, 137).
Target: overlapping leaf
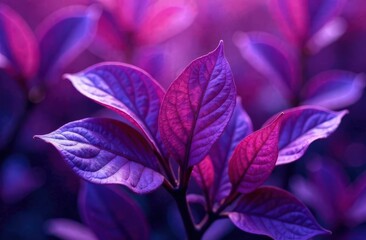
(111, 214)
(303, 125)
(18, 47)
(254, 158)
(273, 212)
(239, 127)
(107, 151)
(197, 107)
(129, 91)
(63, 36)
(334, 89)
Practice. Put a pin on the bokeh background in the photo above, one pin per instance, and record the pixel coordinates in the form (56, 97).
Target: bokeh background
(266, 43)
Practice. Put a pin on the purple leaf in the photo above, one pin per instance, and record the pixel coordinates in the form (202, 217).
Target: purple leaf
(276, 213)
(67, 229)
(254, 158)
(63, 36)
(270, 57)
(334, 89)
(128, 90)
(111, 214)
(107, 151)
(18, 46)
(300, 20)
(239, 127)
(303, 125)
(197, 107)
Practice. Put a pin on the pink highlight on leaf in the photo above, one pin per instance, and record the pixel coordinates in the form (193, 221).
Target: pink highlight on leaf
(275, 213)
(203, 174)
(197, 107)
(127, 90)
(111, 214)
(18, 45)
(334, 89)
(107, 151)
(303, 125)
(254, 158)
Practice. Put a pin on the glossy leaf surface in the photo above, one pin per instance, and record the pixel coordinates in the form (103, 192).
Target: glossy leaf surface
(276, 213)
(303, 125)
(111, 214)
(129, 91)
(197, 107)
(254, 158)
(107, 151)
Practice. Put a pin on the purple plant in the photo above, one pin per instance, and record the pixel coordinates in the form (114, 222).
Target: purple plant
(196, 128)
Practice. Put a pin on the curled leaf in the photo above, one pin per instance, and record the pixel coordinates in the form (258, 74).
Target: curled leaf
(129, 91)
(107, 151)
(303, 125)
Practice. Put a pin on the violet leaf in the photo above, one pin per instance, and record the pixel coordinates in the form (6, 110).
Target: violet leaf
(300, 20)
(270, 57)
(129, 91)
(111, 214)
(107, 151)
(238, 128)
(19, 54)
(303, 125)
(276, 213)
(254, 158)
(334, 89)
(197, 107)
(63, 36)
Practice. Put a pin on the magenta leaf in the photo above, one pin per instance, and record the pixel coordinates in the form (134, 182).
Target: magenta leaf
(111, 214)
(276, 213)
(107, 151)
(254, 158)
(197, 107)
(334, 89)
(129, 91)
(18, 46)
(63, 36)
(303, 125)
(300, 20)
(203, 174)
(239, 127)
(270, 57)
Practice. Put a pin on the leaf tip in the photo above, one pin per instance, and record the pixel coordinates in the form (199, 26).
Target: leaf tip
(220, 47)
